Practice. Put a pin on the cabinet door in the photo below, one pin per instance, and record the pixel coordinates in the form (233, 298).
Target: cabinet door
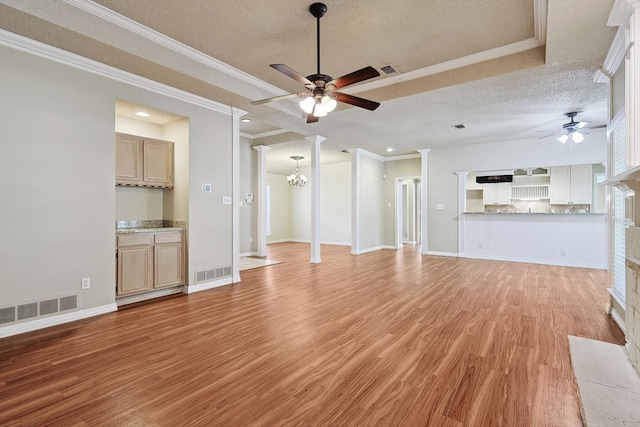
(168, 265)
(135, 269)
(158, 163)
(503, 193)
(581, 193)
(496, 194)
(489, 194)
(128, 160)
(560, 185)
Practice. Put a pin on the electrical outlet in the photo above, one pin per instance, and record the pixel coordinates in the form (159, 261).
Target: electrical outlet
(562, 252)
(86, 282)
(226, 200)
(479, 245)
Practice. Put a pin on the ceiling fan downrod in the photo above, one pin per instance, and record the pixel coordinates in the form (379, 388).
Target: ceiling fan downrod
(318, 10)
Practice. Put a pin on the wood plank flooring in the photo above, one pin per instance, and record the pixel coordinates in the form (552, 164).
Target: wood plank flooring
(388, 338)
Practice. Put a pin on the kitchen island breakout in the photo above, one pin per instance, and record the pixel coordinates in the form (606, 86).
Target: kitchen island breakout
(567, 239)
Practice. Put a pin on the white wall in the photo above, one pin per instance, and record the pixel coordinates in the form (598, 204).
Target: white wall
(444, 163)
(176, 200)
(57, 185)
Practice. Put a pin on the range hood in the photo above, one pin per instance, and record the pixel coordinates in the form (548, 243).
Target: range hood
(493, 177)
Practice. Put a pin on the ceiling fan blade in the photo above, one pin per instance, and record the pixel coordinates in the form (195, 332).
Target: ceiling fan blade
(598, 127)
(355, 77)
(311, 118)
(293, 74)
(580, 125)
(354, 100)
(275, 98)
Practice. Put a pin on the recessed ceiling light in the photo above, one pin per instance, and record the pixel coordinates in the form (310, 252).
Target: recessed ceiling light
(245, 120)
(389, 150)
(142, 114)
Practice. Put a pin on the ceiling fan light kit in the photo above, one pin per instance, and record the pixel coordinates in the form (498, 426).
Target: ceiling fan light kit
(321, 97)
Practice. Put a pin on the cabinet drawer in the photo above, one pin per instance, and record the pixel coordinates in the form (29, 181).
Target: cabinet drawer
(135, 239)
(168, 237)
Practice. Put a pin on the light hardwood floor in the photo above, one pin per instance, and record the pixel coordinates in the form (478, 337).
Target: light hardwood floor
(388, 338)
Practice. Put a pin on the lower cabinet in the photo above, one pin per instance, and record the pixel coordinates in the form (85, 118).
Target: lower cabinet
(148, 261)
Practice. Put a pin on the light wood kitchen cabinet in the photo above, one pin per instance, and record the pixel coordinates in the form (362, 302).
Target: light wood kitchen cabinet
(147, 261)
(143, 162)
(168, 259)
(134, 263)
(570, 185)
(496, 194)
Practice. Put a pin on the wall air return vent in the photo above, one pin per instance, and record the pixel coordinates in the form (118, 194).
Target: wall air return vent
(215, 273)
(35, 309)
(7, 315)
(27, 311)
(48, 306)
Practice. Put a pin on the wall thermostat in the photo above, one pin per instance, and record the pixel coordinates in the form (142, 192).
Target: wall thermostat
(206, 188)
(248, 198)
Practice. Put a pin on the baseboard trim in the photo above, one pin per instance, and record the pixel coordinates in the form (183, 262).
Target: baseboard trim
(322, 243)
(436, 253)
(131, 299)
(376, 248)
(534, 261)
(249, 254)
(47, 322)
(190, 289)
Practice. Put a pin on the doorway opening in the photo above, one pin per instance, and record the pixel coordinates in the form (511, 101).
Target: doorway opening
(408, 211)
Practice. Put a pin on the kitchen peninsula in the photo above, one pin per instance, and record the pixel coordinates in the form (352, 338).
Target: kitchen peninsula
(538, 215)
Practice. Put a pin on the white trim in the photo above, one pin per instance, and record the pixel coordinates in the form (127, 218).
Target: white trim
(616, 318)
(280, 241)
(322, 242)
(157, 293)
(246, 254)
(540, 12)
(270, 133)
(315, 141)
(376, 248)
(462, 206)
(453, 64)
(160, 39)
(235, 191)
(60, 56)
(424, 176)
(246, 135)
(615, 56)
(447, 254)
(534, 261)
(261, 201)
(206, 285)
(620, 13)
(46, 322)
(355, 200)
(615, 294)
(387, 159)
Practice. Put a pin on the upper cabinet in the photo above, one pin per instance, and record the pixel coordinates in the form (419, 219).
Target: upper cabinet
(531, 172)
(570, 185)
(496, 194)
(143, 162)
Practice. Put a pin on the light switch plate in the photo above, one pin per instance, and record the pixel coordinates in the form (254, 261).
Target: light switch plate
(206, 188)
(440, 207)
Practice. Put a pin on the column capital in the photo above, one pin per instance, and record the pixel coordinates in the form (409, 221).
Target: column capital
(315, 138)
(462, 173)
(424, 152)
(261, 148)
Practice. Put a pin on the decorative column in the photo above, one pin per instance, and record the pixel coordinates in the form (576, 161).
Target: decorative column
(235, 192)
(261, 199)
(462, 208)
(424, 176)
(315, 196)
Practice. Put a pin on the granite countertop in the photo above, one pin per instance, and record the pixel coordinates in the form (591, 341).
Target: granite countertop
(149, 226)
(532, 213)
(147, 230)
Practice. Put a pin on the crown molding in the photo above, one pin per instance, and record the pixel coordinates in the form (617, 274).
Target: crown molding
(453, 64)
(540, 13)
(383, 158)
(615, 57)
(156, 37)
(60, 56)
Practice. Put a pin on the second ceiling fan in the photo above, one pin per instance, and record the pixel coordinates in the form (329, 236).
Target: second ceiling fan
(320, 95)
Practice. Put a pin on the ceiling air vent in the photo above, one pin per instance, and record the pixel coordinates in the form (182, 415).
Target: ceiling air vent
(460, 126)
(389, 69)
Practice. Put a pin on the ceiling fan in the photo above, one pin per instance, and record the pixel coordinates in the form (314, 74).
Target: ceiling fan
(573, 131)
(320, 95)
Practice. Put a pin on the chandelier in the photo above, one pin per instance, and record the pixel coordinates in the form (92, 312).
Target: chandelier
(295, 178)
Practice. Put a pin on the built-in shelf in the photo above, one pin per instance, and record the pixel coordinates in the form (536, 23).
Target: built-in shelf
(625, 181)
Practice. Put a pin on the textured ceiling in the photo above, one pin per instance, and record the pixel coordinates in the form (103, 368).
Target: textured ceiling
(490, 64)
